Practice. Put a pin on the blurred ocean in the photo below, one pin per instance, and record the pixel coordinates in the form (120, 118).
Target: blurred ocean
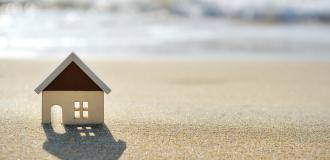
(165, 28)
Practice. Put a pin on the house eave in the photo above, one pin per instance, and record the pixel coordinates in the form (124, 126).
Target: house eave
(72, 58)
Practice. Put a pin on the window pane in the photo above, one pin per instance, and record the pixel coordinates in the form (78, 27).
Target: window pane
(85, 105)
(85, 114)
(76, 105)
(76, 114)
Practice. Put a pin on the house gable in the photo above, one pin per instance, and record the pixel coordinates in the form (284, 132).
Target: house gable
(73, 74)
(72, 78)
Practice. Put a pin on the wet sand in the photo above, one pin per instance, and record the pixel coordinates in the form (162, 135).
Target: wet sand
(177, 110)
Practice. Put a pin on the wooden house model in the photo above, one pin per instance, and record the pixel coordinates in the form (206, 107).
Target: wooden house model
(79, 92)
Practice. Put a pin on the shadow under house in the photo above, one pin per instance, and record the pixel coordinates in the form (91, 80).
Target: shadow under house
(83, 142)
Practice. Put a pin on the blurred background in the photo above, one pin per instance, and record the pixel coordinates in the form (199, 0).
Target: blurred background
(158, 29)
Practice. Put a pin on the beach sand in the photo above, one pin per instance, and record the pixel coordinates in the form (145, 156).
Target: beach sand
(177, 110)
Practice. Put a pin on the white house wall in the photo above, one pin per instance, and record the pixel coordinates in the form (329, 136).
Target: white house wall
(66, 100)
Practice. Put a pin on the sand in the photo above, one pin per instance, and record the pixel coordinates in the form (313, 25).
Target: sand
(177, 110)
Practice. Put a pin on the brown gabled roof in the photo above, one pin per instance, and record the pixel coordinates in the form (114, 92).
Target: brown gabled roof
(72, 74)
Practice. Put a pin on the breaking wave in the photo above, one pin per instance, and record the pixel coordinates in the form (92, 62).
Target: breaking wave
(268, 10)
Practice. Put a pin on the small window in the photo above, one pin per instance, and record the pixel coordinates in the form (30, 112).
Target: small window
(85, 105)
(76, 105)
(76, 114)
(85, 114)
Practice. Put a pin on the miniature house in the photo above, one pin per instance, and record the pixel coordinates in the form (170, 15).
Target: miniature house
(79, 92)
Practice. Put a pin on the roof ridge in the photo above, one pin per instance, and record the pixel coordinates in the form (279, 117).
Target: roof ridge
(73, 58)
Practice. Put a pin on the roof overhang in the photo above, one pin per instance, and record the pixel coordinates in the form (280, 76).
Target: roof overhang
(73, 58)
